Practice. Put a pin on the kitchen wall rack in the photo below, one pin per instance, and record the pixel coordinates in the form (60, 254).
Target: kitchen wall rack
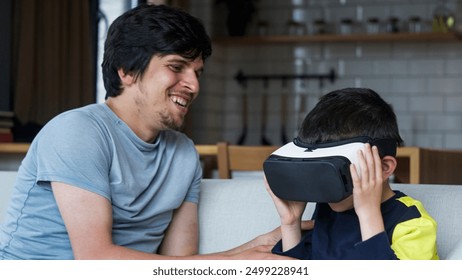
(242, 78)
(383, 37)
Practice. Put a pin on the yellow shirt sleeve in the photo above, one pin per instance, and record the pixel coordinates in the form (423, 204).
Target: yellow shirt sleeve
(415, 239)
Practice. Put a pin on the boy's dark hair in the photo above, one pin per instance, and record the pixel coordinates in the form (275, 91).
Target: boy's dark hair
(148, 30)
(348, 113)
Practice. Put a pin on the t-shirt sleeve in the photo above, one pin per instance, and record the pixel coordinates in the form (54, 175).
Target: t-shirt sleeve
(376, 248)
(194, 190)
(301, 251)
(71, 149)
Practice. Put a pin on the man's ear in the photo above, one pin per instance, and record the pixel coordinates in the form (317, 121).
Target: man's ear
(389, 164)
(126, 78)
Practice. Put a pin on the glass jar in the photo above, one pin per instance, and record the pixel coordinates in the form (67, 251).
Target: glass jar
(443, 18)
(346, 26)
(415, 24)
(320, 26)
(262, 28)
(393, 25)
(372, 26)
(295, 28)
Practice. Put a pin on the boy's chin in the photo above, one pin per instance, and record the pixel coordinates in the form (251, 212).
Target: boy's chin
(342, 205)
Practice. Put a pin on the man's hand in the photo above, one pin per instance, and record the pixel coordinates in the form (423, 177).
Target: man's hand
(262, 252)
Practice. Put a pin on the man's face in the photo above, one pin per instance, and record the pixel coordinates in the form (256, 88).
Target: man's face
(167, 89)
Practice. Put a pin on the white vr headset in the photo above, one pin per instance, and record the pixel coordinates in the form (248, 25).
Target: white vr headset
(318, 172)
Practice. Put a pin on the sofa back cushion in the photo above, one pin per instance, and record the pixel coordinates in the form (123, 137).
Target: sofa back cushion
(232, 212)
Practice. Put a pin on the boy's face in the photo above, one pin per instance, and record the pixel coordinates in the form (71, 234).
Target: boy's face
(343, 205)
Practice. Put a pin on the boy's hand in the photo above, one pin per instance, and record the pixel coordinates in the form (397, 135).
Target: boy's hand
(367, 191)
(290, 212)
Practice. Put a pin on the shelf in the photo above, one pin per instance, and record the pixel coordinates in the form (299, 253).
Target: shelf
(334, 38)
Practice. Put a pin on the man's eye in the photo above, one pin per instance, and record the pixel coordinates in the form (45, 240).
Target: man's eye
(176, 68)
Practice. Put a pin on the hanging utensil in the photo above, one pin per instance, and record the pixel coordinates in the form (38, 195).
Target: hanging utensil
(264, 116)
(242, 138)
(284, 113)
(302, 106)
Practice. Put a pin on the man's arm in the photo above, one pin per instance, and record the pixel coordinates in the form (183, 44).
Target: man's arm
(182, 236)
(88, 220)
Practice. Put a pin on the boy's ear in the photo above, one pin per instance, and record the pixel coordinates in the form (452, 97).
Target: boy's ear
(389, 164)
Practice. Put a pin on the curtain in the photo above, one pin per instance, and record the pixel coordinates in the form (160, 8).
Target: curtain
(53, 64)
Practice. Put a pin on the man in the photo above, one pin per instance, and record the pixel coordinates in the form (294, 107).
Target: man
(117, 180)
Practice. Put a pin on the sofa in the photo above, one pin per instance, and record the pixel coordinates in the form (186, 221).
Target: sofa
(233, 211)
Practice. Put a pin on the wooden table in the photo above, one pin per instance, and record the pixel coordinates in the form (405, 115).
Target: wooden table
(14, 148)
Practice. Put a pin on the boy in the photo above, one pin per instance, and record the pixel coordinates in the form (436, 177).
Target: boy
(374, 222)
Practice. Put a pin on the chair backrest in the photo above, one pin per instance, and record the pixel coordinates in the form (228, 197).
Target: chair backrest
(241, 158)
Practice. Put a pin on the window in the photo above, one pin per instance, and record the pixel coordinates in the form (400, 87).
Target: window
(109, 10)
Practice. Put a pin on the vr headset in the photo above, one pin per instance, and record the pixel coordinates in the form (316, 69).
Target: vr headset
(318, 172)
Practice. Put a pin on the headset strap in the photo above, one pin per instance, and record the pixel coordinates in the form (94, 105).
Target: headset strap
(386, 146)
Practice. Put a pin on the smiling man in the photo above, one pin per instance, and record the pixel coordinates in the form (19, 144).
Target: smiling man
(118, 180)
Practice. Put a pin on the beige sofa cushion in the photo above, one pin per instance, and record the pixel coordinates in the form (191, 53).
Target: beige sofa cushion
(232, 212)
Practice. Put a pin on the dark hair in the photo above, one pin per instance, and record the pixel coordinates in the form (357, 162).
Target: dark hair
(348, 113)
(148, 30)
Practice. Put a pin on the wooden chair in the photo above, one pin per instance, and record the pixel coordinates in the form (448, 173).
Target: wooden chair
(208, 156)
(241, 158)
(428, 166)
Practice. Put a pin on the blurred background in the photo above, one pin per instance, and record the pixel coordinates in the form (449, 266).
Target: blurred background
(271, 61)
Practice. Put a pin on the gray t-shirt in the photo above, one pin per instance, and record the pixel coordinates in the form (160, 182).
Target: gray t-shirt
(93, 149)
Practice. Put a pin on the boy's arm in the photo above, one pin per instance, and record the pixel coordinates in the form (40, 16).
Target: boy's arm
(415, 238)
(367, 192)
(412, 239)
(290, 213)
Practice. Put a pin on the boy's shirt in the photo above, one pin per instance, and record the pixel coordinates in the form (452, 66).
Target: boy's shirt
(410, 233)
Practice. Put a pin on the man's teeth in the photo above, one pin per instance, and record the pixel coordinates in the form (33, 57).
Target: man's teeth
(180, 101)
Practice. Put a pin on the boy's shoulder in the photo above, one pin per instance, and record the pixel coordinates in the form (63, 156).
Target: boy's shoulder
(404, 207)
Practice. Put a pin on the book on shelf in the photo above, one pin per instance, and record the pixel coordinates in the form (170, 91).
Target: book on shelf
(6, 135)
(6, 114)
(6, 119)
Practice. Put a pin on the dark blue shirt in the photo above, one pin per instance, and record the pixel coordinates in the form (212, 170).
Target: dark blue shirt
(337, 235)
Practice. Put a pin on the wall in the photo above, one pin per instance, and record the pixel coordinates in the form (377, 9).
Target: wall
(422, 80)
